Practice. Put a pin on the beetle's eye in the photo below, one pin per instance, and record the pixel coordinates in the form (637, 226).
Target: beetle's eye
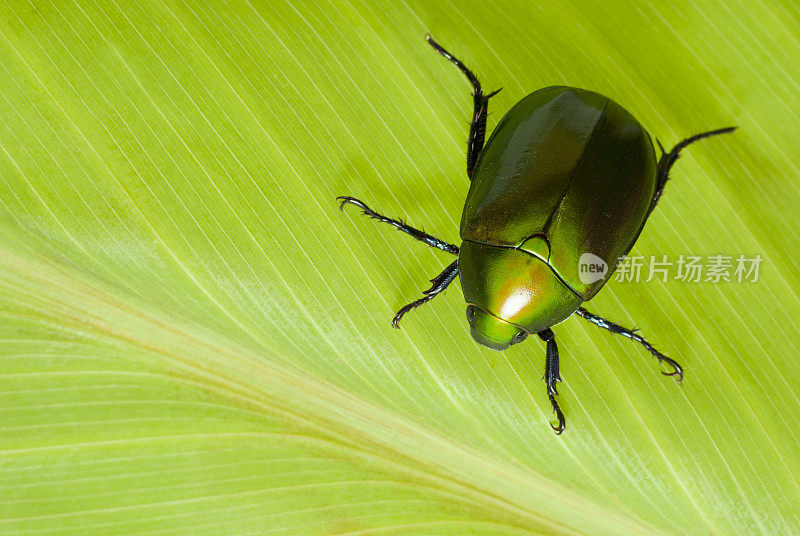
(519, 337)
(470, 313)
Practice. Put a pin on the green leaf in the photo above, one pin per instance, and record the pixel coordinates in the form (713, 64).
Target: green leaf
(196, 341)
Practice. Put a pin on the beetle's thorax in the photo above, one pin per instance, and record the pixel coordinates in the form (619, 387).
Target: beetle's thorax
(515, 287)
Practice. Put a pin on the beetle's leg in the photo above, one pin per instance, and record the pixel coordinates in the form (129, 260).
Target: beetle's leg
(480, 107)
(552, 376)
(677, 370)
(668, 159)
(438, 285)
(399, 225)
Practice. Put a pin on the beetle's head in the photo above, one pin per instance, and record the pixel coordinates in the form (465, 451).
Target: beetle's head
(510, 294)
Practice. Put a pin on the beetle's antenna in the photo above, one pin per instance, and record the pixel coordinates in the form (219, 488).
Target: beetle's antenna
(677, 370)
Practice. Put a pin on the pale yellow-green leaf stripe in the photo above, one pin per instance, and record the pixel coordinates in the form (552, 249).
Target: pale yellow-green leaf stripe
(195, 341)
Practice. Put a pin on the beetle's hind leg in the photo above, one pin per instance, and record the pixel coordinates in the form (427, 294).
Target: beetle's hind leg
(438, 285)
(677, 370)
(668, 159)
(422, 236)
(480, 107)
(552, 377)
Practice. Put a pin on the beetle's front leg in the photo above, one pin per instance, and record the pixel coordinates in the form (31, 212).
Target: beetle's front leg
(552, 376)
(480, 107)
(438, 285)
(422, 236)
(631, 334)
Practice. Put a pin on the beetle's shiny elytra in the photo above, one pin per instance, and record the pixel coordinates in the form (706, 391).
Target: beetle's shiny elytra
(567, 175)
(566, 172)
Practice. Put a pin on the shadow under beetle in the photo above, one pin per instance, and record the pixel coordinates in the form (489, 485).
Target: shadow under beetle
(567, 172)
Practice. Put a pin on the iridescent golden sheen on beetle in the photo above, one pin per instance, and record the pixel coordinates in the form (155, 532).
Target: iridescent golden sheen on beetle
(566, 172)
(510, 291)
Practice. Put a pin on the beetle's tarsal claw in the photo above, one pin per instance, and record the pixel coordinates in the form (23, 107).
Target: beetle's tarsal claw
(398, 316)
(347, 200)
(406, 308)
(562, 424)
(677, 370)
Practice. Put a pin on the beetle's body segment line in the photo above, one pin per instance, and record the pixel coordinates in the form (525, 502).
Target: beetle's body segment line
(578, 163)
(547, 262)
(542, 237)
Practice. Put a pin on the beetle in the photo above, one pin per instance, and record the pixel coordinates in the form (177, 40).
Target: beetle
(558, 196)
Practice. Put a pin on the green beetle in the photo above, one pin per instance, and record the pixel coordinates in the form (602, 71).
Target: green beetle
(558, 195)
